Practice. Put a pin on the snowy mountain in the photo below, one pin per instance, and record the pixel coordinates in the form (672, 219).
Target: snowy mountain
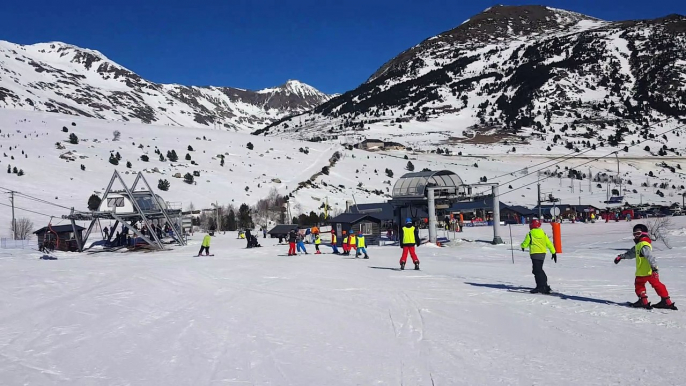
(58, 77)
(516, 74)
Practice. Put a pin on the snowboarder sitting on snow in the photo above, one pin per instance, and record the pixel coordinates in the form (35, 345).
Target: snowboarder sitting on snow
(205, 245)
(537, 242)
(409, 237)
(291, 242)
(361, 246)
(646, 270)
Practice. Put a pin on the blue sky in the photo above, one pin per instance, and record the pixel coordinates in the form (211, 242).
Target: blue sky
(332, 45)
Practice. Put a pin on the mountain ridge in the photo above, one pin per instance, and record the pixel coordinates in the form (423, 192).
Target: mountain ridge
(61, 77)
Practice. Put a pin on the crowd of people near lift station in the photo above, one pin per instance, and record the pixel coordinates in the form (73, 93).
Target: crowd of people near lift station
(126, 237)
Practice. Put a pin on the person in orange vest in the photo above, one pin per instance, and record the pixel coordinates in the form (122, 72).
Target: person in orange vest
(409, 238)
(646, 270)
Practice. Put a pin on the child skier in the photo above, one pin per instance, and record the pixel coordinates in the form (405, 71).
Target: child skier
(409, 237)
(291, 242)
(646, 270)
(205, 245)
(352, 242)
(334, 240)
(361, 246)
(346, 246)
(317, 241)
(300, 242)
(537, 242)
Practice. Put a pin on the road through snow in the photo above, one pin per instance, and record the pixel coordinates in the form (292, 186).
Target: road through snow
(250, 317)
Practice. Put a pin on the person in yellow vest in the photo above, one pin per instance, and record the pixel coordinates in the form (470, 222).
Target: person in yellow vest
(317, 241)
(346, 246)
(409, 238)
(205, 246)
(537, 242)
(334, 240)
(361, 246)
(592, 217)
(646, 270)
(352, 242)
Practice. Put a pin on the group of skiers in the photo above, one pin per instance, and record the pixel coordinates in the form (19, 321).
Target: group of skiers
(646, 265)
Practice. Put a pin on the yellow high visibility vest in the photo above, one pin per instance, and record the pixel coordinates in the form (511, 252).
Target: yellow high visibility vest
(206, 241)
(408, 235)
(360, 242)
(643, 267)
(345, 240)
(352, 240)
(333, 238)
(317, 240)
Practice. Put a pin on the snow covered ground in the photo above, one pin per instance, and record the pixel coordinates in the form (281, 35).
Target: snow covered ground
(257, 317)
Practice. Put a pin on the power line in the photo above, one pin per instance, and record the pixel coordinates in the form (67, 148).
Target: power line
(35, 198)
(27, 210)
(592, 160)
(572, 154)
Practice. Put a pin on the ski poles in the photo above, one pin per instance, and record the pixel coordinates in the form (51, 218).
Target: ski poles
(511, 244)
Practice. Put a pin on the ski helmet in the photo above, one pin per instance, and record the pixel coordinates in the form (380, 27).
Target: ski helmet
(535, 224)
(408, 221)
(640, 230)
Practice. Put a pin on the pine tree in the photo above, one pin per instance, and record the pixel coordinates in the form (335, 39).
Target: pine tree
(118, 156)
(113, 160)
(83, 167)
(21, 172)
(409, 166)
(161, 157)
(250, 146)
(128, 164)
(73, 139)
(188, 178)
(163, 185)
(94, 202)
(145, 158)
(190, 148)
(245, 217)
(231, 223)
(188, 157)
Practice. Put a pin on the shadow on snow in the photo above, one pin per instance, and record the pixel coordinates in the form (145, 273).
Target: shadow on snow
(514, 288)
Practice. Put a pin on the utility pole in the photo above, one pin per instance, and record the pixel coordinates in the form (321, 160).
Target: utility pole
(219, 227)
(590, 181)
(540, 215)
(14, 222)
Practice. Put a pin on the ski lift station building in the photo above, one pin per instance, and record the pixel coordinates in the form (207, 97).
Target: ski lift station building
(120, 203)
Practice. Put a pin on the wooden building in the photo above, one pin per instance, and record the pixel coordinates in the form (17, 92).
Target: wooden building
(61, 237)
(370, 226)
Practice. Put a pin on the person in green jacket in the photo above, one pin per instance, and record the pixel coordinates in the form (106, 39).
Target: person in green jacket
(537, 242)
(205, 246)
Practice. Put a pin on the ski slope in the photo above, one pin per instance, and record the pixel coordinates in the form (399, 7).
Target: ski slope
(277, 163)
(255, 317)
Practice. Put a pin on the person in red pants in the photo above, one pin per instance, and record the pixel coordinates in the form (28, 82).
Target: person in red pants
(646, 270)
(409, 238)
(291, 242)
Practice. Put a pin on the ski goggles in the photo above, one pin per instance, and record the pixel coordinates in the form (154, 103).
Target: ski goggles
(639, 233)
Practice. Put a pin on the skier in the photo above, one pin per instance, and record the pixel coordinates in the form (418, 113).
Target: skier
(346, 247)
(264, 233)
(317, 241)
(646, 270)
(537, 242)
(361, 246)
(409, 237)
(248, 239)
(205, 245)
(352, 242)
(291, 242)
(333, 243)
(301, 242)
(107, 232)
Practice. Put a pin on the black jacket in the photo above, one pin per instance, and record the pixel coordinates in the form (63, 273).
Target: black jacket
(291, 237)
(402, 236)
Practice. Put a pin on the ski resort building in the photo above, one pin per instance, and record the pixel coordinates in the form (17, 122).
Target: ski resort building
(63, 237)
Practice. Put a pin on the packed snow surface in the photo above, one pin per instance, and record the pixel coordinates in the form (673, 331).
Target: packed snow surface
(258, 317)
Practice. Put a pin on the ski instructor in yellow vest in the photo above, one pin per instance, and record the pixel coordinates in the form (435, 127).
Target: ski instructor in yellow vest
(537, 242)
(409, 238)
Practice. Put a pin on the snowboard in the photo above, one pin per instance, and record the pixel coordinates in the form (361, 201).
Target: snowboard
(202, 255)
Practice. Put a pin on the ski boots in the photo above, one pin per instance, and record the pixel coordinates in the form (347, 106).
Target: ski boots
(547, 290)
(535, 291)
(416, 266)
(366, 256)
(642, 303)
(665, 303)
(402, 266)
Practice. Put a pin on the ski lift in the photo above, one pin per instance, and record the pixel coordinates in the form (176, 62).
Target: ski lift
(51, 240)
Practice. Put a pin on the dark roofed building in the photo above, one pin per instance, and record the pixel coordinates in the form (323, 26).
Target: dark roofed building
(282, 230)
(61, 237)
(357, 222)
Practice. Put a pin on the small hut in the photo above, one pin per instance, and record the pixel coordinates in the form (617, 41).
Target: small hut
(282, 230)
(63, 237)
(370, 226)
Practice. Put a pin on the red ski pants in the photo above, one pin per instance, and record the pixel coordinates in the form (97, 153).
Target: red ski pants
(291, 248)
(403, 258)
(654, 281)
